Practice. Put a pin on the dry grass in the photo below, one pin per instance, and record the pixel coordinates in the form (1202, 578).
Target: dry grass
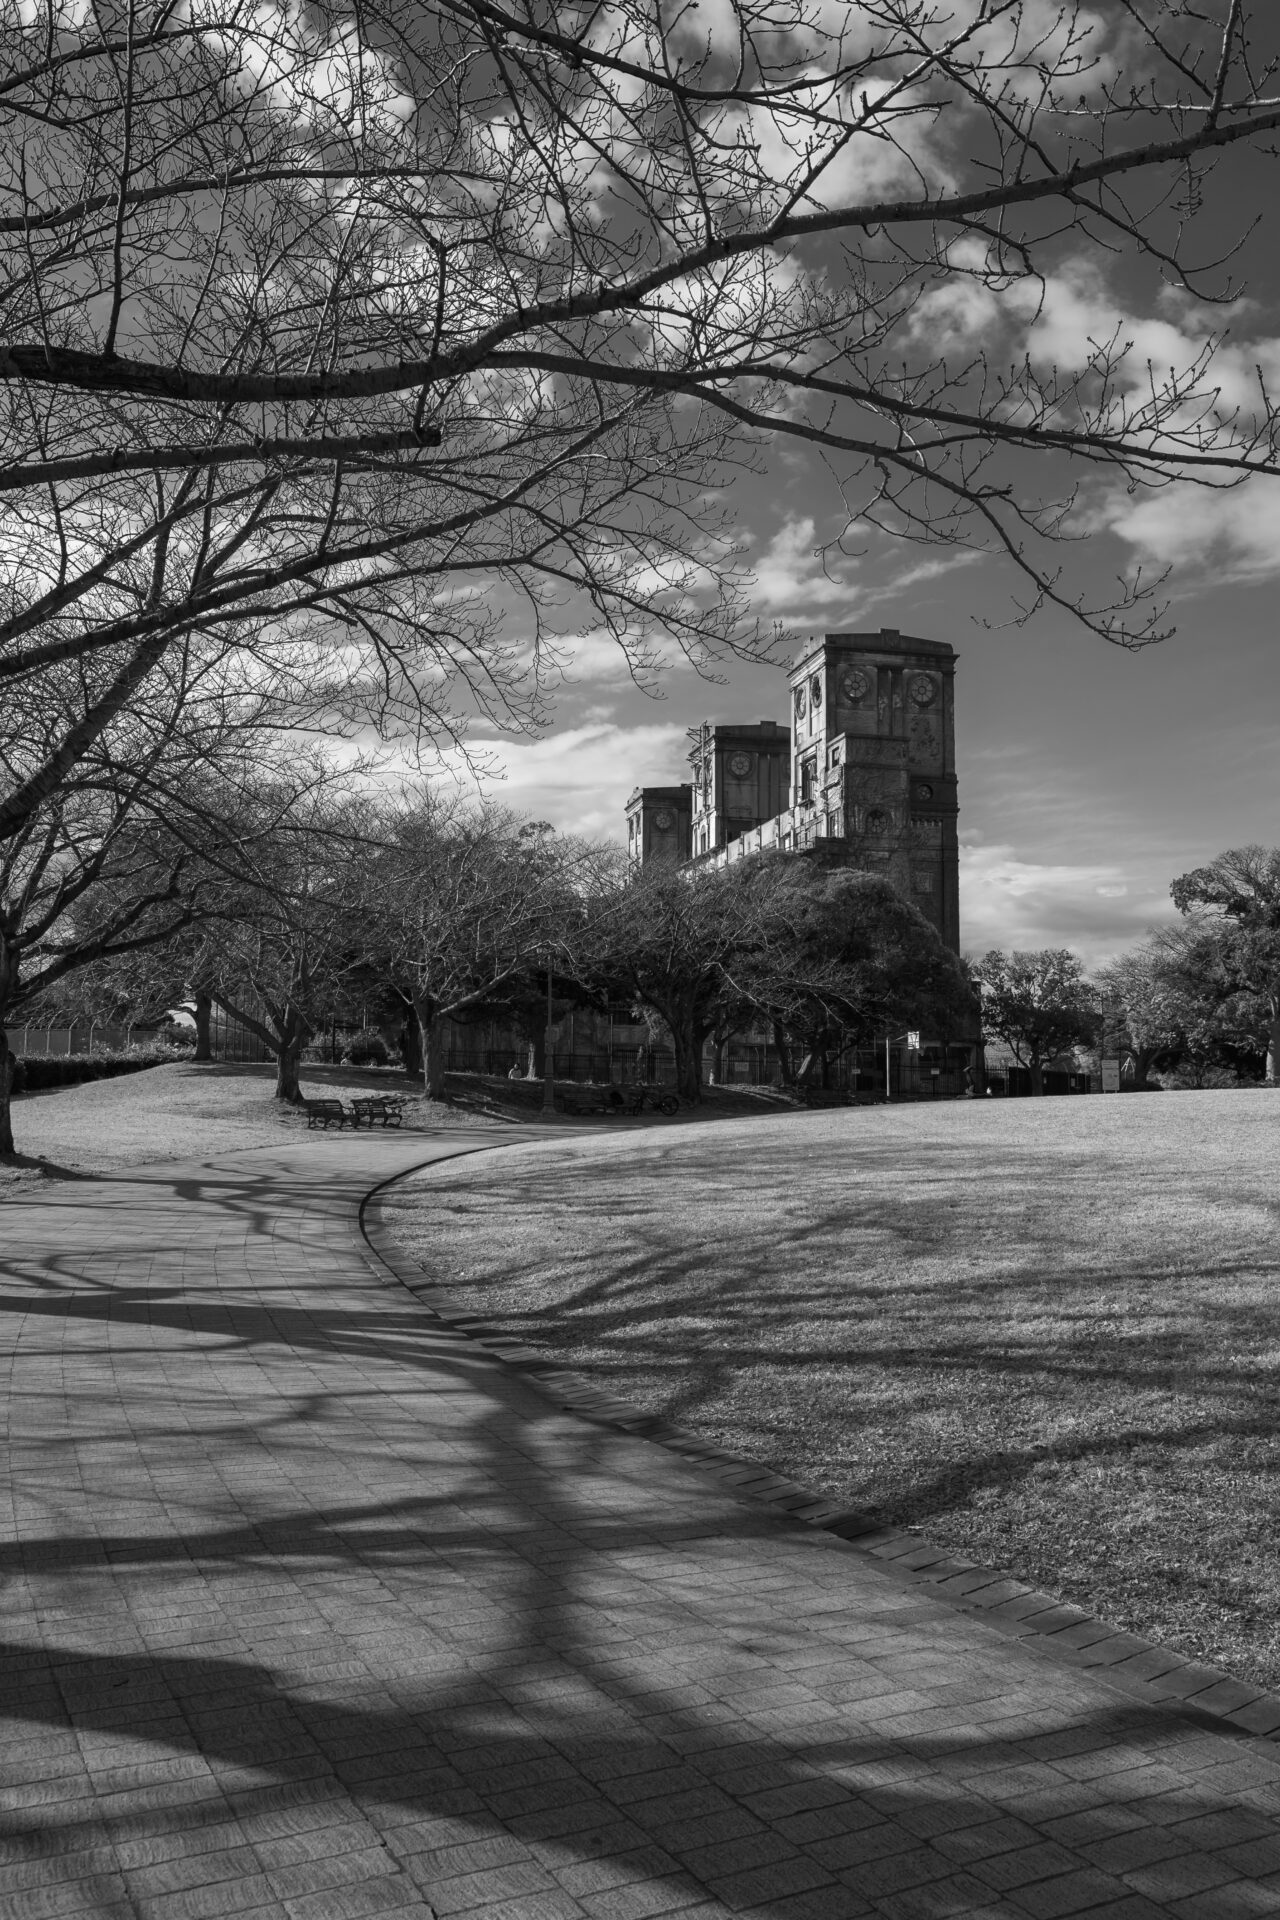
(1045, 1333)
(178, 1112)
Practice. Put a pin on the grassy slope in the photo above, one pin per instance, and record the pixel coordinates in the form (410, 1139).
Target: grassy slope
(177, 1112)
(1045, 1333)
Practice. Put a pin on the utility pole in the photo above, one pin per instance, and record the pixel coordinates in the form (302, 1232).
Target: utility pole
(548, 1054)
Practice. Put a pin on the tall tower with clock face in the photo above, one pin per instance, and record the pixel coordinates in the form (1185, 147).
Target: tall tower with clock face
(741, 773)
(658, 824)
(873, 762)
(863, 774)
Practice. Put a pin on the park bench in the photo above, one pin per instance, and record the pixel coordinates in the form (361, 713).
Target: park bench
(378, 1106)
(615, 1101)
(328, 1113)
(587, 1100)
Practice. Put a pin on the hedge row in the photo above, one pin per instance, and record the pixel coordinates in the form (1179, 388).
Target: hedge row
(69, 1069)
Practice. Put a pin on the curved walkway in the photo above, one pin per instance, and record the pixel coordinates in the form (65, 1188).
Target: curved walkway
(315, 1608)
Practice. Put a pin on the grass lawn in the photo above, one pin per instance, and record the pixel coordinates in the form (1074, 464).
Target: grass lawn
(1046, 1333)
(179, 1112)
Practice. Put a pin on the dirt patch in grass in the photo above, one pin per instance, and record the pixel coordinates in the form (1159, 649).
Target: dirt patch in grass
(1045, 1333)
(180, 1112)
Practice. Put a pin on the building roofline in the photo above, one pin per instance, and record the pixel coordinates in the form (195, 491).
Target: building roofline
(666, 793)
(886, 640)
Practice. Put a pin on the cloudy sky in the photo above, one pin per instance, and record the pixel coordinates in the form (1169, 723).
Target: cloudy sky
(1089, 776)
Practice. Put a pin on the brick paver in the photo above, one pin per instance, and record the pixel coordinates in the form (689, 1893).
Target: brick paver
(313, 1607)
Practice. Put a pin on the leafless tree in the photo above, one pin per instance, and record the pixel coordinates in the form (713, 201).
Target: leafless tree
(331, 332)
(460, 902)
(351, 357)
(91, 880)
(286, 933)
(666, 941)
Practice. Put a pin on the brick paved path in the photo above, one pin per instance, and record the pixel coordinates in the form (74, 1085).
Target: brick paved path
(313, 1609)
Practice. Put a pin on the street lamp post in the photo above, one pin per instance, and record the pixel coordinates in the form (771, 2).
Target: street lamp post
(912, 1038)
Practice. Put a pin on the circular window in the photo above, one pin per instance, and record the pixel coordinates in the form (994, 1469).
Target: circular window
(855, 685)
(924, 793)
(815, 692)
(662, 820)
(740, 765)
(922, 690)
(877, 820)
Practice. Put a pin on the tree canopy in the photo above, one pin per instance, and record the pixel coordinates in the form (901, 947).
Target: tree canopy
(826, 956)
(1236, 899)
(839, 958)
(1038, 1003)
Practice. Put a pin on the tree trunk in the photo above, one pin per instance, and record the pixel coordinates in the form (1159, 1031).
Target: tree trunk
(433, 1056)
(1036, 1069)
(687, 1038)
(537, 1055)
(411, 1047)
(294, 1031)
(1142, 1058)
(8, 1064)
(1273, 1049)
(8, 1067)
(287, 1059)
(782, 1046)
(203, 1007)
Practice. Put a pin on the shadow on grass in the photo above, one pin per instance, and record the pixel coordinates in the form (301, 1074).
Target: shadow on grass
(495, 1639)
(20, 1163)
(902, 1387)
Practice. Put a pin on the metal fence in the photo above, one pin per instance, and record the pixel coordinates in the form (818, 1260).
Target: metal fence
(43, 1043)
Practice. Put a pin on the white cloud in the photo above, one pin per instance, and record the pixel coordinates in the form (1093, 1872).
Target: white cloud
(580, 778)
(1008, 901)
(597, 660)
(1238, 528)
(1080, 325)
(794, 576)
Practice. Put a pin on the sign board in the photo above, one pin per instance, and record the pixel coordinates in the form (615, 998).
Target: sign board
(913, 1042)
(1111, 1076)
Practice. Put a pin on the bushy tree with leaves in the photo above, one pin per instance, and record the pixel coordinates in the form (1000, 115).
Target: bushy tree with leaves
(1172, 1005)
(1038, 1003)
(1235, 903)
(837, 958)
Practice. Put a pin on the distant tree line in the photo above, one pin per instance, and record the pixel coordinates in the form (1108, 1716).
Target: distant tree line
(1197, 1003)
(289, 895)
(290, 899)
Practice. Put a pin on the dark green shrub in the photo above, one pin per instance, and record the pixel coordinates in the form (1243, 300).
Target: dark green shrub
(36, 1073)
(367, 1048)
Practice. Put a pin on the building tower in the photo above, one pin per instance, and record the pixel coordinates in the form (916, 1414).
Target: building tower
(658, 824)
(740, 778)
(873, 763)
